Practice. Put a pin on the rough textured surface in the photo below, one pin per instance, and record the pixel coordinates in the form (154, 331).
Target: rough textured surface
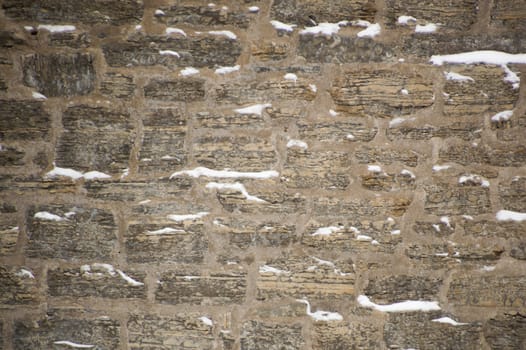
(187, 175)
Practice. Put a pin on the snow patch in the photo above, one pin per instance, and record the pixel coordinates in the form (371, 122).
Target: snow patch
(440, 167)
(350, 137)
(237, 186)
(282, 26)
(488, 268)
(74, 345)
(273, 270)
(395, 232)
(297, 143)
(169, 53)
(457, 77)
(321, 315)
(408, 173)
(508, 215)
(448, 321)
(206, 321)
(130, 280)
(226, 174)
(475, 179)
(396, 121)
(254, 109)
(313, 88)
(253, 9)
(404, 20)
(327, 231)
(38, 96)
(93, 175)
(189, 71)
(404, 306)
(333, 113)
(164, 231)
(502, 116)
(291, 76)
(370, 32)
(226, 33)
(45, 215)
(187, 217)
(404, 92)
(364, 238)
(56, 28)
(227, 70)
(159, 12)
(75, 175)
(323, 28)
(486, 56)
(374, 168)
(23, 273)
(171, 30)
(426, 29)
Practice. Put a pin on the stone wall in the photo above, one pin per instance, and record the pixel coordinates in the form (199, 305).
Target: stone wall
(148, 205)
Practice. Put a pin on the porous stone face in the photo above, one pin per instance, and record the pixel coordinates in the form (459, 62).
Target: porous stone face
(392, 289)
(117, 85)
(259, 335)
(205, 15)
(509, 15)
(445, 199)
(18, 286)
(24, 120)
(331, 335)
(189, 89)
(506, 331)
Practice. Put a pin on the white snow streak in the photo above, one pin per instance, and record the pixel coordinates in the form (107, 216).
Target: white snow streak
(172, 30)
(164, 231)
(404, 306)
(327, 231)
(404, 20)
(75, 175)
(189, 71)
(282, 26)
(38, 96)
(227, 70)
(169, 53)
(457, 77)
(74, 345)
(254, 109)
(206, 321)
(237, 186)
(226, 33)
(427, 28)
(502, 116)
(297, 143)
(486, 57)
(290, 76)
(370, 32)
(273, 270)
(187, 217)
(23, 273)
(56, 28)
(508, 215)
(226, 174)
(321, 315)
(130, 280)
(323, 28)
(448, 321)
(45, 215)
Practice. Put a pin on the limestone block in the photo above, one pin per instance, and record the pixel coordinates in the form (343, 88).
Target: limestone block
(437, 228)
(186, 89)
(376, 206)
(257, 335)
(347, 130)
(463, 130)
(95, 138)
(457, 199)
(501, 155)
(341, 336)
(181, 331)
(60, 74)
(24, 120)
(117, 85)
(115, 12)
(53, 332)
(509, 14)
(70, 232)
(186, 13)
(191, 287)
(9, 229)
(506, 331)
(513, 194)
(387, 182)
(441, 255)
(96, 280)
(17, 286)
(397, 288)
(130, 191)
(273, 202)
(11, 156)
(229, 119)
(383, 155)
(270, 50)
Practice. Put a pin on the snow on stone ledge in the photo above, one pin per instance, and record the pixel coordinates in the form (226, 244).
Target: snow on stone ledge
(321, 315)
(508, 215)
(237, 186)
(185, 217)
(253, 9)
(206, 321)
(282, 26)
(485, 56)
(297, 143)
(75, 175)
(254, 109)
(129, 280)
(426, 29)
(374, 168)
(327, 231)
(189, 71)
(290, 76)
(202, 171)
(227, 70)
(502, 116)
(272, 270)
(370, 32)
(474, 179)
(404, 20)
(45, 215)
(457, 77)
(52, 28)
(73, 345)
(404, 306)
(448, 321)
(169, 53)
(38, 96)
(226, 33)
(323, 28)
(171, 30)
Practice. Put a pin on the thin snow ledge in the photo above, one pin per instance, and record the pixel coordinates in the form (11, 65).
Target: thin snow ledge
(188, 71)
(502, 116)
(404, 20)
(226, 174)
(237, 186)
(485, 56)
(323, 28)
(508, 215)
(227, 70)
(226, 33)
(297, 143)
(404, 306)
(73, 345)
(45, 215)
(370, 32)
(254, 109)
(321, 315)
(448, 321)
(282, 26)
(75, 175)
(457, 77)
(426, 29)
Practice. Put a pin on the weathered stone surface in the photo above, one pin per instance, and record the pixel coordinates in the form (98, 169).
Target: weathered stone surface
(396, 288)
(265, 88)
(501, 155)
(417, 330)
(11, 156)
(375, 181)
(181, 331)
(346, 130)
(256, 335)
(96, 280)
(306, 169)
(10, 39)
(434, 229)
(117, 85)
(461, 130)
(451, 14)
(309, 12)
(509, 14)
(506, 331)
(114, 12)
(343, 49)
(488, 92)
(244, 153)
(518, 251)
(95, 138)
(513, 194)
(270, 51)
(441, 255)
(216, 288)
(445, 199)
(184, 89)
(97, 333)
(226, 120)
(60, 74)
(196, 51)
(379, 92)
(137, 191)
(338, 336)
(78, 233)
(24, 120)
(8, 235)
(245, 233)
(74, 40)
(309, 277)
(274, 202)
(164, 133)
(375, 206)
(489, 291)
(17, 286)
(205, 15)
(3, 84)
(383, 155)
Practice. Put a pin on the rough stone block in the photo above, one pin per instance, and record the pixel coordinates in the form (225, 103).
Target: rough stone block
(246, 233)
(300, 277)
(216, 288)
(95, 138)
(513, 194)
(270, 51)
(500, 155)
(181, 331)
(3, 84)
(17, 286)
(343, 50)
(506, 331)
(417, 330)
(256, 335)
(379, 92)
(24, 120)
(137, 191)
(387, 182)
(47, 333)
(186, 90)
(350, 129)
(445, 199)
(243, 153)
(306, 169)
(60, 74)
(397, 288)
(338, 336)
(274, 202)
(451, 14)
(195, 51)
(489, 291)
(461, 130)
(205, 15)
(69, 39)
(11, 156)
(375, 206)
(434, 229)
(117, 85)
(509, 14)
(70, 232)
(438, 256)
(305, 12)
(9, 232)
(96, 280)
(227, 120)
(383, 155)
(9, 39)
(115, 12)
(487, 92)
(518, 251)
